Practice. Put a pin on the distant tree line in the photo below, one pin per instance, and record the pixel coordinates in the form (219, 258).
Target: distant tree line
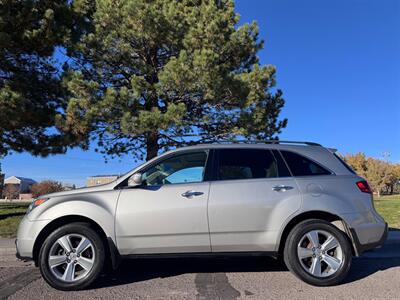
(46, 187)
(383, 176)
(12, 191)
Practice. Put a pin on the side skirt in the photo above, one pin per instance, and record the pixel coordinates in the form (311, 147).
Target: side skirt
(200, 255)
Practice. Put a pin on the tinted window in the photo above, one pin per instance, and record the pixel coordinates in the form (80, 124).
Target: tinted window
(246, 164)
(183, 168)
(344, 163)
(301, 166)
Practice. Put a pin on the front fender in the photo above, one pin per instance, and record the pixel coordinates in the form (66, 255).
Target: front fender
(99, 207)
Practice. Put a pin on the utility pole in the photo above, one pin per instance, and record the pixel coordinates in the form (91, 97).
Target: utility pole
(386, 155)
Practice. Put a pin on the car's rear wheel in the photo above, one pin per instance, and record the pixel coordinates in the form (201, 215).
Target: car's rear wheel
(72, 257)
(318, 253)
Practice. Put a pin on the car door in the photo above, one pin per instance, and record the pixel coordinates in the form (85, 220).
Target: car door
(168, 212)
(252, 196)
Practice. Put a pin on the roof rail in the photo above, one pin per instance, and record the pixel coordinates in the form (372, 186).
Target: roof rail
(263, 142)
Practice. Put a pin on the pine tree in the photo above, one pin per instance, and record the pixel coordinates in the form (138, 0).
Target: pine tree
(163, 73)
(31, 94)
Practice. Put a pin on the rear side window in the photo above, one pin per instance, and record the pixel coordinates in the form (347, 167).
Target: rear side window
(246, 164)
(301, 166)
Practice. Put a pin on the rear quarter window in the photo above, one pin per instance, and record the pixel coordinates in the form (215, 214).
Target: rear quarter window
(344, 163)
(302, 166)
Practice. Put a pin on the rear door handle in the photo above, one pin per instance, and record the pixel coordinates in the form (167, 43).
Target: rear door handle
(190, 194)
(282, 188)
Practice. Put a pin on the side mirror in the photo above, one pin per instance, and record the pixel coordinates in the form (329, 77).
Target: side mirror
(135, 180)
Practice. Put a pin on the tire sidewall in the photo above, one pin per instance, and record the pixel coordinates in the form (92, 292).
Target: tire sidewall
(73, 228)
(294, 265)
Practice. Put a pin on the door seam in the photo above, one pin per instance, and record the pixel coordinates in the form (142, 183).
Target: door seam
(208, 219)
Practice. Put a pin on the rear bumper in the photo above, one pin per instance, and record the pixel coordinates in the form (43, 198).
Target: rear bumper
(370, 245)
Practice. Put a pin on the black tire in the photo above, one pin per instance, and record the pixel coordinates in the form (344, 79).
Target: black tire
(85, 230)
(293, 262)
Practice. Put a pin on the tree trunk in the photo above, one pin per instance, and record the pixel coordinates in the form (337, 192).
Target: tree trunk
(152, 145)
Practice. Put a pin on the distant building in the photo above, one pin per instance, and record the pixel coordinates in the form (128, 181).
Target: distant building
(100, 179)
(15, 186)
(21, 183)
(69, 187)
(28, 196)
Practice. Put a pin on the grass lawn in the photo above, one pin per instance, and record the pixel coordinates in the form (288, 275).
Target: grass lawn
(9, 226)
(389, 208)
(12, 213)
(12, 208)
(10, 216)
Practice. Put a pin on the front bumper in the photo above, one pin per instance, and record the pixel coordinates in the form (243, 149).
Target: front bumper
(28, 232)
(18, 255)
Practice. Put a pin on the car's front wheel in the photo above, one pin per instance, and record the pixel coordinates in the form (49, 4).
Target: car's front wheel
(318, 253)
(72, 257)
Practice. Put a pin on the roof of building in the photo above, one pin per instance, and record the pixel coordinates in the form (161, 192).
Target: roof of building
(28, 180)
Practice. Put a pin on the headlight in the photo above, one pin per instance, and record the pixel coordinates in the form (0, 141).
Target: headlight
(36, 203)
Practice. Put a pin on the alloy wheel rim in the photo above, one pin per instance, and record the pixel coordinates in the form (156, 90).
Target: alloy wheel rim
(320, 253)
(71, 257)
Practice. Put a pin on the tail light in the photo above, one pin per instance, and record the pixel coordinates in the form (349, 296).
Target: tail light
(364, 187)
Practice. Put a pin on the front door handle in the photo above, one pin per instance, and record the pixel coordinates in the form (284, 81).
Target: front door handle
(190, 194)
(282, 188)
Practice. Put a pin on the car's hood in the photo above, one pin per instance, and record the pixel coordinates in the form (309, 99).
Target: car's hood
(98, 188)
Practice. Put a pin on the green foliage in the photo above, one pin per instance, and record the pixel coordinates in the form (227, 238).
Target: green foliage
(151, 75)
(31, 94)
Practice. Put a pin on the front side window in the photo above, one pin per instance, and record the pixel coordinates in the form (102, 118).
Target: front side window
(246, 164)
(301, 166)
(184, 168)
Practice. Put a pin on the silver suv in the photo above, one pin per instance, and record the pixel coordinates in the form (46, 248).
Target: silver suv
(294, 200)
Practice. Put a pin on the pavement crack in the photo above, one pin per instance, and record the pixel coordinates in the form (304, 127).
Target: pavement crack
(214, 286)
(13, 284)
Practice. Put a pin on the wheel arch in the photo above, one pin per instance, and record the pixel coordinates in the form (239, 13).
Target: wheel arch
(316, 214)
(64, 220)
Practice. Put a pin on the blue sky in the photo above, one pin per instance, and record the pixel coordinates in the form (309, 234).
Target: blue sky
(338, 64)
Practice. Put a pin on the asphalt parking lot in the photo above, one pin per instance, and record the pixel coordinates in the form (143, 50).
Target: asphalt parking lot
(376, 275)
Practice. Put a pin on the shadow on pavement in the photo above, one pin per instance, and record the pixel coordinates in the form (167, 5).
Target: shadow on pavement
(139, 270)
(364, 267)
